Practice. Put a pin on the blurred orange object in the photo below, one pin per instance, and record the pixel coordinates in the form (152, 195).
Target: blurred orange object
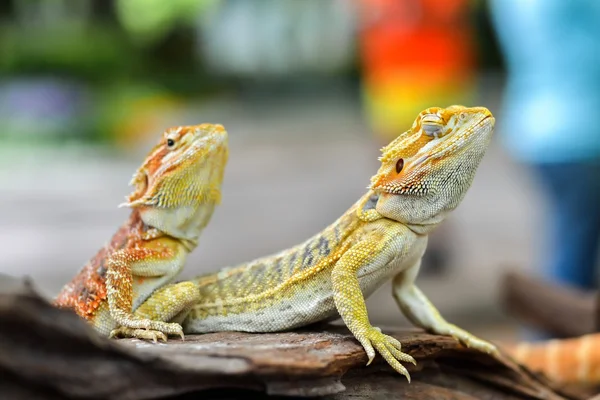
(415, 54)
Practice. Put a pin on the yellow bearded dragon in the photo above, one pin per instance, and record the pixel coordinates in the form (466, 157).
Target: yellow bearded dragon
(424, 175)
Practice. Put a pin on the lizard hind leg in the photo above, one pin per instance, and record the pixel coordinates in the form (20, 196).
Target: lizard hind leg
(421, 312)
(168, 305)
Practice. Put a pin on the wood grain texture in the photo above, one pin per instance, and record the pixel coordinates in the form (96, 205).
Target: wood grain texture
(48, 353)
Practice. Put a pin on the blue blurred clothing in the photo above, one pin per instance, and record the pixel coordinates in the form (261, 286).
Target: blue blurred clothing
(552, 102)
(574, 230)
(550, 122)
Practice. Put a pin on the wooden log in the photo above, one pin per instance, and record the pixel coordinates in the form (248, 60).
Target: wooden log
(46, 353)
(559, 310)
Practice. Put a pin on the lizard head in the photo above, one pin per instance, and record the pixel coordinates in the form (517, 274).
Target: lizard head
(180, 177)
(427, 170)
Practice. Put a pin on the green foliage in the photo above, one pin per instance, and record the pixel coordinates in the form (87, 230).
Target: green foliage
(148, 21)
(93, 53)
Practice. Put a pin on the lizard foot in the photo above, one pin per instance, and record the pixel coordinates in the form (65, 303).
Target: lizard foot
(155, 330)
(388, 347)
(473, 342)
(145, 334)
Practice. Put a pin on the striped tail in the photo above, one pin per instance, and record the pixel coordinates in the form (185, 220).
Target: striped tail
(575, 361)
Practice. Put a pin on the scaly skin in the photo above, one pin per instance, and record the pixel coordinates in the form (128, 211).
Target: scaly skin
(424, 174)
(572, 361)
(125, 289)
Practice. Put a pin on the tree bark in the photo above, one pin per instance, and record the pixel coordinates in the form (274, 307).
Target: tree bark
(47, 353)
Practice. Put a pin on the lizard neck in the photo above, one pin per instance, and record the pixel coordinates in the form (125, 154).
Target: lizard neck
(424, 229)
(185, 223)
(366, 209)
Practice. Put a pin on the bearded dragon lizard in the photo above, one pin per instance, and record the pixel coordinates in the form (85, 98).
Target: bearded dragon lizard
(424, 175)
(125, 290)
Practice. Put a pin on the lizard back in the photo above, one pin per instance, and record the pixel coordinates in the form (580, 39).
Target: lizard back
(234, 294)
(87, 290)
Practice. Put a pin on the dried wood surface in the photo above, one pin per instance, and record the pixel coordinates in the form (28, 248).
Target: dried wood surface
(562, 311)
(46, 353)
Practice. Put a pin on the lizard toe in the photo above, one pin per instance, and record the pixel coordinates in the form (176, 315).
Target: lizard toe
(390, 350)
(167, 328)
(138, 333)
(366, 344)
(473, 342)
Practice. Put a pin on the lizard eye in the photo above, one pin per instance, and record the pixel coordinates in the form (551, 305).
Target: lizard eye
(433, 130)
(432, 125)
(399, 165)
(170, 142)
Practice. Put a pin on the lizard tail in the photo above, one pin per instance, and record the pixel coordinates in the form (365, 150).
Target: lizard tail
(575, 361)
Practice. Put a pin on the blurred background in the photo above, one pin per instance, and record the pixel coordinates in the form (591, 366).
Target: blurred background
(308, 91)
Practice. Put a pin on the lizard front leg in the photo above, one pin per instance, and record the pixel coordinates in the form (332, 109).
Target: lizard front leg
(350, 304)
(421, 312)
(170, 303)
(123, 265)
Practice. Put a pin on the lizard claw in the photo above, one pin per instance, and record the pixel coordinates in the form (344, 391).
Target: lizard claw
(138, 333)
(388, 347)
(156, 331)
(369, 350)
